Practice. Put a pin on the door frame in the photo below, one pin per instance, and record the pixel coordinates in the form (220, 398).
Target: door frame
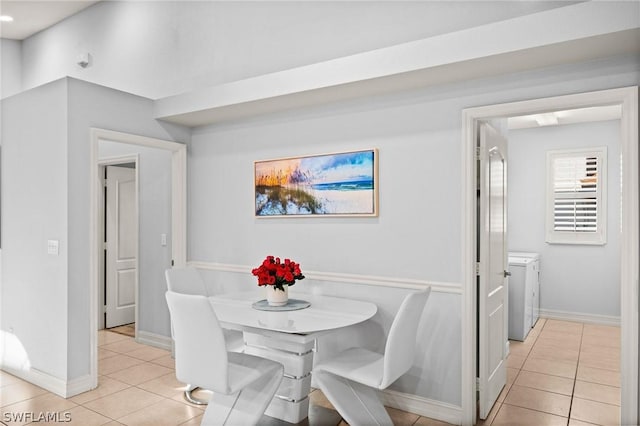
(627, 97)
(178, 219)
(102, 165)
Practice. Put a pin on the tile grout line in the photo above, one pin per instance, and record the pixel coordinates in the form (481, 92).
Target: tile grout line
(582, 335)
(498, 412)
(164, 399)
(574, 373)
(521, 369)
(514, 381)
(130, 386)
(575, 376)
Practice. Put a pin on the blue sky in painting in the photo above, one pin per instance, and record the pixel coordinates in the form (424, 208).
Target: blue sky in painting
(349, 167)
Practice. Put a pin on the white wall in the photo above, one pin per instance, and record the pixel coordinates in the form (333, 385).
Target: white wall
(10, 67)
(45, 189)
(221, 178)
(411, 238)
(96, 106)
(573, 278)
(154, 173)
(160, 48)
(416, 236)
(34, 210)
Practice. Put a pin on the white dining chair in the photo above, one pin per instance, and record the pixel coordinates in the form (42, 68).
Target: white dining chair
(243, 385)
(351, 379)
(185, 280)
(189, 281)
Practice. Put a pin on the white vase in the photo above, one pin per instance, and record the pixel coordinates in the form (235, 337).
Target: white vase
(277, 297)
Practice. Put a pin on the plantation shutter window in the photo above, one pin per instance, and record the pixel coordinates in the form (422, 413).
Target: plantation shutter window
(575, 196)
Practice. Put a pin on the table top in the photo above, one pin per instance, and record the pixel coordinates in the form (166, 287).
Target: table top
(325, 313)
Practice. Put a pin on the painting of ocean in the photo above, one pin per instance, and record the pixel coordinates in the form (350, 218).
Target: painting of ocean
(341, 184)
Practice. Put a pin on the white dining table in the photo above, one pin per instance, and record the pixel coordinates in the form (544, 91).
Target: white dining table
(289, 337)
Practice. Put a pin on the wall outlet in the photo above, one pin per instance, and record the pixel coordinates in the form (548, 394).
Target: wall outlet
(163, 240)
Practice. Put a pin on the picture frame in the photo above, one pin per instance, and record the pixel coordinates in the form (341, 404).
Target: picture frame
(343, 184)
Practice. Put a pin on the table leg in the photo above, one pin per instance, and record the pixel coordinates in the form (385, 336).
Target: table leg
(291, 402)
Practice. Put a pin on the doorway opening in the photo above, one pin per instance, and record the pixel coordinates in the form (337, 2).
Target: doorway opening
(109, 148)
(119, 225)
(627, 99)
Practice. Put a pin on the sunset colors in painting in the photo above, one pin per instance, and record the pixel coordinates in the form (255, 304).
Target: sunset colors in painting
(335, 184)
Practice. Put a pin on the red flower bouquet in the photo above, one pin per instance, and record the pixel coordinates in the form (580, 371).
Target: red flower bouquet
(273, 272)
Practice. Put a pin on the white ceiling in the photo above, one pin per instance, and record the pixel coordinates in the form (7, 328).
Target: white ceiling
(30, 17)
(582, 115)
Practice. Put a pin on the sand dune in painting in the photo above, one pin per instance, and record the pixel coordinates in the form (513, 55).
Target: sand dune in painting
(329, 184)
(288, 201)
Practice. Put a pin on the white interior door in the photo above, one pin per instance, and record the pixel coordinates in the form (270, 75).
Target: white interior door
(492, 294)
(122, 245)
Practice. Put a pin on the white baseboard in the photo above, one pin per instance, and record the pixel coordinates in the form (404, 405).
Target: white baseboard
(152, 339)
(423, 406)
(67, 389)
(580, 317)
(53, 384)
(79, 385)
(39, 378)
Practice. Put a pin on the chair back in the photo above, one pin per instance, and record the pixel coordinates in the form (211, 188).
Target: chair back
(185, 280)
(401, 344)
(201, 355)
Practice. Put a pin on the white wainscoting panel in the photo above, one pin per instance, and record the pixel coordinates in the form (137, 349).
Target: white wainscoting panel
(439, 345)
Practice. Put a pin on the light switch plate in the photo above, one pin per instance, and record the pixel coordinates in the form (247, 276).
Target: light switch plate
(163, 240)
(53, 247)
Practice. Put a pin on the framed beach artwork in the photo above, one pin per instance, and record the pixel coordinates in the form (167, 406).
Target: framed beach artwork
(342, 184)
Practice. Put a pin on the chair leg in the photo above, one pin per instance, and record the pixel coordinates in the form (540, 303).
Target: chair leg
(190, 398)
(245, 407)
(358, 404)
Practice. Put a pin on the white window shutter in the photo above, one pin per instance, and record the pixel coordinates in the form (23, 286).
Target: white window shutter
(575, 192)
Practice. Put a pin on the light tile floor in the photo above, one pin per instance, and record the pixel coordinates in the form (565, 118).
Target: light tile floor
(127, 329)
(137, 386)
(564, 373)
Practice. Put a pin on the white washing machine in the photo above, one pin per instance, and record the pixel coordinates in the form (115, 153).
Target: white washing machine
(524, 293)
